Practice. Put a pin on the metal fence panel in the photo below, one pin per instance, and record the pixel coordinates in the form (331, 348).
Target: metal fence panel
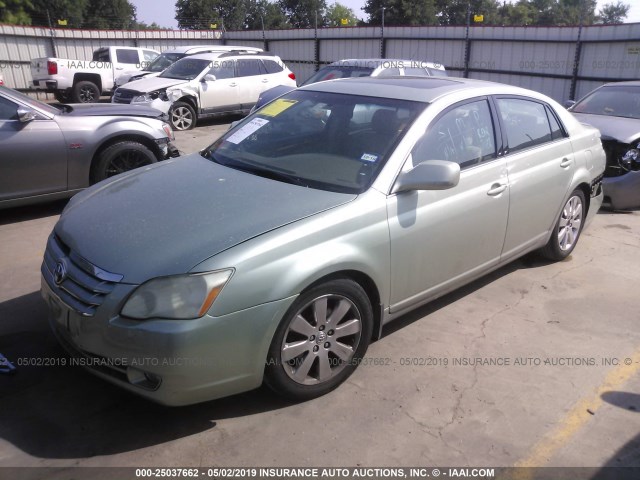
(540, 58)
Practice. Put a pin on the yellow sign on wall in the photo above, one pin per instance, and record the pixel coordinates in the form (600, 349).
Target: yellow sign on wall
(62, 22)
(213, 26)
(478, 18)
(344, 21)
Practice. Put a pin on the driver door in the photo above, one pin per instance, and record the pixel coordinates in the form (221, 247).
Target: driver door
(440, 239)
(34, 155)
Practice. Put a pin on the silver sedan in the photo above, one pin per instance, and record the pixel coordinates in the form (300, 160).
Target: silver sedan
(279, 252)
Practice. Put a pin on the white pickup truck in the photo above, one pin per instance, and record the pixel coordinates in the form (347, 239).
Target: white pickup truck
(83, 81)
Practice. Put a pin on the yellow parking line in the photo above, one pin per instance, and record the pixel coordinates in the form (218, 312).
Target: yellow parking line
(578, 416)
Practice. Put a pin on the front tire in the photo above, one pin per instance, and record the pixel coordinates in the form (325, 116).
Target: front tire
(568, 228)
(120, 157)
(320, 341)
(182, 116)
(85, 92)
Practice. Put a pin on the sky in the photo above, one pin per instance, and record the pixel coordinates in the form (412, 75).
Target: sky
(163, 11)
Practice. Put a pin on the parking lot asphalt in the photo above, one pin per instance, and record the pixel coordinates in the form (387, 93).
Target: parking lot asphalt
(537, 364)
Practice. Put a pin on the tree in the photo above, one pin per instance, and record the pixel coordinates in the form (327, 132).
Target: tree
(454, 12)
(45, 11)
(15, 12)
(201, 14)
(521, 13)
(337, 12)
(153, 26)
(305, 13)
(110, 14)
(613, 13)
(259, 11)
(401, 12)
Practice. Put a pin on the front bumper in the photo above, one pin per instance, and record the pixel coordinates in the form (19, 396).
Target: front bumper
(622, 192)
(172, 362)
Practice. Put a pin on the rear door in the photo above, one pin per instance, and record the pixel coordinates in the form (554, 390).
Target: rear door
(541, 166)
(253, 79)
(125, 59)
(34, 155)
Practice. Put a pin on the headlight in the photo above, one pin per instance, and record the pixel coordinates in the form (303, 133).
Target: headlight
(150, 97)
(179, 297)
(631, 159)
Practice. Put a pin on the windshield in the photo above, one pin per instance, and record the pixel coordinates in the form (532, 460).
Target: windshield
(338, 71)
(27, 100)
(617, 101)
(186, 68)
(163, 61)
(327, 141)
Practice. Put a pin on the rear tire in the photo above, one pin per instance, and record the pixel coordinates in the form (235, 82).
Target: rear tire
(61, 96)
(320, 341)
(120, 157)
(182, 116)
(567, 230)
(85, 92)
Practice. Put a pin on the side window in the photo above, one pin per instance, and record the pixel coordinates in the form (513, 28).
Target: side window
(464, 135)
(127, 56)
(389, 72)
(525, 121)
(248, 67)
(8, 110)
(272, 67)
(223, 69)
(556, 130)
(148, 55)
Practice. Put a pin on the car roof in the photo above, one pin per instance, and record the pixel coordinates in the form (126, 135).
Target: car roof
(386, 62)
(216, 55)
(421, 89)
(630, 83)
(211, 48)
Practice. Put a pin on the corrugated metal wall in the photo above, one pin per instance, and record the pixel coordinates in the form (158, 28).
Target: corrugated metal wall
(539, 58)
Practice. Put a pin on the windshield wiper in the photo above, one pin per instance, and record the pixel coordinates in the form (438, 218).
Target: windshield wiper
(254, 168)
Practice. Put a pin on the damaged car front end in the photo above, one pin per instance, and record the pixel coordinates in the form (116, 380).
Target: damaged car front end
(614, 109)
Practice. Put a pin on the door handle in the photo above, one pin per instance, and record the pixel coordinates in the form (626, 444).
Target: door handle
(233, 84)
(265, 80)
(119, 68)
(566, 162)
(496, 189)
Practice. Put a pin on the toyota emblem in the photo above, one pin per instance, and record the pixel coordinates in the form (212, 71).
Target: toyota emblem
(60, 273)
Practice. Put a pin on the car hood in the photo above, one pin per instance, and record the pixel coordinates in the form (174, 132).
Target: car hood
(625, 130)
(112, 109)
(168, 218)
(151, 83)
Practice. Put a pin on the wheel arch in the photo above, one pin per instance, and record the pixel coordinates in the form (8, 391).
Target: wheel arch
(147, 142)
(367, 284)
(88, 77)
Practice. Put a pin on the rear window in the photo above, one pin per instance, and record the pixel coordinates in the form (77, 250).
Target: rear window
(272, 67)
(127, 56)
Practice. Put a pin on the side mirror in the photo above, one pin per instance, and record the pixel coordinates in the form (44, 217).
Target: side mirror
(26, 115)
(429, 175)
(569, 103)
(234, 123)
(208, 78)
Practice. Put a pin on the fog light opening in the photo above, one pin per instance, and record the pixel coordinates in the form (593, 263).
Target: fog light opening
(146, 380)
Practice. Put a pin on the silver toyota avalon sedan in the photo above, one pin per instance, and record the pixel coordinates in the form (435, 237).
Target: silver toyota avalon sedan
(279, 252)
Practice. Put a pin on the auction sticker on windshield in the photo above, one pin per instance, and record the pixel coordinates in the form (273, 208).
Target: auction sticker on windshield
(248, 129)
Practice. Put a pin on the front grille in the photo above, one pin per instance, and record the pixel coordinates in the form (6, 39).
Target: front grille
(615, 151)
(79, 284)
(122, 95)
